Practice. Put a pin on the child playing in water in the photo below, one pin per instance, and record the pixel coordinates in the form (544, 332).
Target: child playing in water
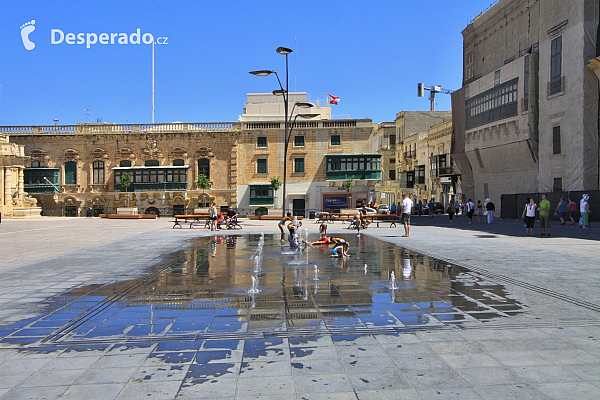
(323, 230)
(341, 250)
(293, 239)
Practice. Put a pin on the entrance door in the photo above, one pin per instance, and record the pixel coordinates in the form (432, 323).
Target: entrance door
(70, 211)
(298, 207)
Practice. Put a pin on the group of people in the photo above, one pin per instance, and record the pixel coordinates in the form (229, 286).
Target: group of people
(217, 218)
(471, 209)
(564, 211)
(340, 246)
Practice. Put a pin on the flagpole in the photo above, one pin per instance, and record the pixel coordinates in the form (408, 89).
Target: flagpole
(152, 82)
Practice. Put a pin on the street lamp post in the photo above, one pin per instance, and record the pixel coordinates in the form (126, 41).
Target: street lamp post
(286, 100)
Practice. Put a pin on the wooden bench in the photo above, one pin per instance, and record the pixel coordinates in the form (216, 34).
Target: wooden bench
(377, 219)
(192, 219)
(275, 217)
(344, 217)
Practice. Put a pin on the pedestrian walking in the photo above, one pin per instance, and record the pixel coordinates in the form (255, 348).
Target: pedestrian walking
(430, 207)
(561, 210)
(479, 211)
(584, 209)
(490, 208)
(571, 208)
(407, 205)
(451, 210)
(544, 209)
(529, 217)
(470, 209)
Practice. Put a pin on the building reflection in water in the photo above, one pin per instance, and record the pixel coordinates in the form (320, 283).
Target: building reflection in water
(203, 290)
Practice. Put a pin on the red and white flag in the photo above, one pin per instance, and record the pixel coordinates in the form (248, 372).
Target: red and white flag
(333, 99)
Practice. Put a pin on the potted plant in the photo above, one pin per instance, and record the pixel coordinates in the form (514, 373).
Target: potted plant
(348, 185)
(275, 184)
(125, 182)
(203, 183)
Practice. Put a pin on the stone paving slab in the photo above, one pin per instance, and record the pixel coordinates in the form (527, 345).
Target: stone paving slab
(550, 352)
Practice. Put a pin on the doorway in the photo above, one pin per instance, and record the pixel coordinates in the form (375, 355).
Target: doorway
(299, 207)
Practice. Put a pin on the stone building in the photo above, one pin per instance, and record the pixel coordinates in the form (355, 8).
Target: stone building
(76, 169)
(443, 177)
(412, 151)
(322, 154)
(14, 201)
(526, 118)
(383, 141)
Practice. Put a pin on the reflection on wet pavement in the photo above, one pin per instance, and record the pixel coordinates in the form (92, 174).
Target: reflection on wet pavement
(198, 301)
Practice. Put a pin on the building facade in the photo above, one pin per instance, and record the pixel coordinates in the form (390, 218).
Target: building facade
(76, 169)
(413, 153)
(444, 178)
(526, 118)
(14, 201)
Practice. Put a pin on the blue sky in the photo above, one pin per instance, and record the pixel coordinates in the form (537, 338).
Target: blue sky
(370, 54)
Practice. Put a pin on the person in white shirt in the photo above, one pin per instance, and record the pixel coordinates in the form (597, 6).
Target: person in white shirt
(407, 205)
(529, 216)
(470, 210)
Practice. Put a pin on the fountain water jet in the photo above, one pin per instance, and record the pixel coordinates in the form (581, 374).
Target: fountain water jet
(254, 289)
(392, 284)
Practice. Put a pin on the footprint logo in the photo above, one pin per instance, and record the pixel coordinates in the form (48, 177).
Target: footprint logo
(26, 29)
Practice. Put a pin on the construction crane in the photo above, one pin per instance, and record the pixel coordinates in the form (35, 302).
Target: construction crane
(432, 91)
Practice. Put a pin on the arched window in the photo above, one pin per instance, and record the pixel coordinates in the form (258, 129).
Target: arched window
(70, 173)
(98, 172)
(178, 163)
(204, 167)
(151, 163)
(125, 163)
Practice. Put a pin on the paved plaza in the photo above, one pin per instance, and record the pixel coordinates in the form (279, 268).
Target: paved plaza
(63, 278)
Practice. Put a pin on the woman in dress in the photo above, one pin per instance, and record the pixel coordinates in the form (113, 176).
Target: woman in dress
(479, 211)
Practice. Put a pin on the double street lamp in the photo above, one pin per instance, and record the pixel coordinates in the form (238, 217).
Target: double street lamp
(289, 126)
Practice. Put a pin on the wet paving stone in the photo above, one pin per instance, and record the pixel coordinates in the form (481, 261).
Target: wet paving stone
(301, 323)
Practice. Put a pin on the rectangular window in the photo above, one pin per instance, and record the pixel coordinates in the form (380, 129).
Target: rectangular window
(392, 174)
(556, 147)
(420, 174)
(70, 173)
(261, 166)
(336, 140)
(261, 141)
(557, 185)
(299, 141)
(366, 166)
(496, 78)
(392, 141)
(98, 172)
(556, 66)
(299, 165)
(261, 195)
(492, 105)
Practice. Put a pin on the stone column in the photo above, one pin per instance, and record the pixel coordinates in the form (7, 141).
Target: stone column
(21, 183)
(7, 186)
(2, 189)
